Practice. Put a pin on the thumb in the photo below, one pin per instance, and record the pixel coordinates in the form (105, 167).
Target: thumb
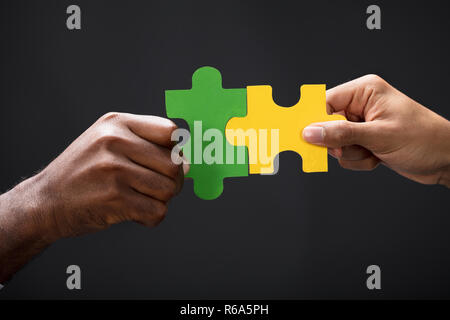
(340, 133)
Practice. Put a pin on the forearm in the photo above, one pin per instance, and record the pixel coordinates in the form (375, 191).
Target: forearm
(22, 230)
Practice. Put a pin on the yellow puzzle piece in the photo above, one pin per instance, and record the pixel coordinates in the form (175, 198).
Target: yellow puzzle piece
(269, 129)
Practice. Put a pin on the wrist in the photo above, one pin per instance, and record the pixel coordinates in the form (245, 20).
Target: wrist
(23, 212)
(24, 232)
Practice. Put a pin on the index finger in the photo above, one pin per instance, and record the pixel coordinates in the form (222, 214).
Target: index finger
(353, 97)
(152, 128)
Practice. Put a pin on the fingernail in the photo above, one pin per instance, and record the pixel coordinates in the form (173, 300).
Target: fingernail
(313, 134)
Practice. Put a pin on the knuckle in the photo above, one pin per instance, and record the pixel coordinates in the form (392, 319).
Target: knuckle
(372, 89)
(109, 136)
(111, 116)
(107, 139)
(108, 164)
(171, 126)
(169, 190)
(173, 169)
(375, 81)
(348, 132)
(159, 213)
(168, 129)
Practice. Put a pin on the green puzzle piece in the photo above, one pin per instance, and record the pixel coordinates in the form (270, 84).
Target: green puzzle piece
(209, 103)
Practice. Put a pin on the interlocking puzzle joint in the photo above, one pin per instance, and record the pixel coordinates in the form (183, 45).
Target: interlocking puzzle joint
(226, 109)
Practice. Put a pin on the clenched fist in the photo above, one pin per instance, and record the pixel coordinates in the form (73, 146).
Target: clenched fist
(120, 169)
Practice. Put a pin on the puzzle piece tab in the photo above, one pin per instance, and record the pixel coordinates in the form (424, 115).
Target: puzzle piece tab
(209, 103)
(263, 113)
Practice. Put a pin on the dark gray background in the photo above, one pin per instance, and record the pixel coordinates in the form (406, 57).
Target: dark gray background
(293, 235)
